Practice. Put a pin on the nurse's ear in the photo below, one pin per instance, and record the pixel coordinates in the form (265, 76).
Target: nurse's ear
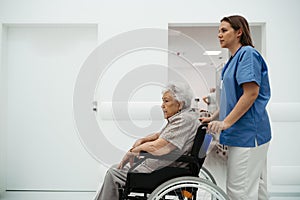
(239, 33)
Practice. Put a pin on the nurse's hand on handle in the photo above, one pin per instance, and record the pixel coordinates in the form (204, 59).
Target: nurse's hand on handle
(217, 126)
(205, 119)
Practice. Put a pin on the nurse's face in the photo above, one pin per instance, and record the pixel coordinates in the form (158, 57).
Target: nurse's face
(228, 36)
(170, 105)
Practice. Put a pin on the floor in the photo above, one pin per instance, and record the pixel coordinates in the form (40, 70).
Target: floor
(17, 195)
(47, 196)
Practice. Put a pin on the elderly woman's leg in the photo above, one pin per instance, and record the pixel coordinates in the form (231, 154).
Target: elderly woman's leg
(113, 178)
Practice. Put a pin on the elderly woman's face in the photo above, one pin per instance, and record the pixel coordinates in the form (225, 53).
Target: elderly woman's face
(170, 106)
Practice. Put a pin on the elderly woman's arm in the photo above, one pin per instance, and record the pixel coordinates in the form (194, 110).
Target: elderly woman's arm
(145, 139)
(128, 157)
(157, 147)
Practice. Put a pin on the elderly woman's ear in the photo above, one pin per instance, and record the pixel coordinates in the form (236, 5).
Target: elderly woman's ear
(181, 104)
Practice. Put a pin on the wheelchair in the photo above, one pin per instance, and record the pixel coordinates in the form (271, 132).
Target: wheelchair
(205, 174)
(176, 183)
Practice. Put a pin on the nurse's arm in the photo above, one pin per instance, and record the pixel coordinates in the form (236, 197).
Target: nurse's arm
(250, 93)
(215, 115)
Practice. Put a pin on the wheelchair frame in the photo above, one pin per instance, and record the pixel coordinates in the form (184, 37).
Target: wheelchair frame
(169, 181)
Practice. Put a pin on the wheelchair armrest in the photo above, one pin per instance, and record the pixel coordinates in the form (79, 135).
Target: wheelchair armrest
(170, 157)
(173, 157)
(162, 157)
(146, 155)
(137, 162)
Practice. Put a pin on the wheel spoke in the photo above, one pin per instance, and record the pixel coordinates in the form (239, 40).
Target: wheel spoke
(188, 188)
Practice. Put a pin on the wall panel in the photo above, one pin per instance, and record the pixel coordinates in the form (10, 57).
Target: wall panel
(43, 149)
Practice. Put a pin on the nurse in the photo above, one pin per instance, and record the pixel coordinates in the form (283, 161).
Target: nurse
(243, 119)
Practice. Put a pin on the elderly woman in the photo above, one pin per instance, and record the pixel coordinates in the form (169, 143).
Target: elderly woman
(176, 137)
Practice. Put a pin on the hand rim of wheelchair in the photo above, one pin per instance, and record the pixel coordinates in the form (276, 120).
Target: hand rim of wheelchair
(207, 175)
(188, 181)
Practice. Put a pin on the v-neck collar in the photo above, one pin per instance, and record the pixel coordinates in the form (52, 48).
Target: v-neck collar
(227, 64)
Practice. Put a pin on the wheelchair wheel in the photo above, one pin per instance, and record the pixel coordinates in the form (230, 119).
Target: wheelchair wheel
(188, 188)
(205, 174)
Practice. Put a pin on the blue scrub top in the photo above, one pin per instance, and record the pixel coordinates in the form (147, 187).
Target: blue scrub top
(247, 65)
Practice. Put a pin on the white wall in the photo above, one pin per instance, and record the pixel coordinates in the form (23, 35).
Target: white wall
(3, 113)
(113, 17)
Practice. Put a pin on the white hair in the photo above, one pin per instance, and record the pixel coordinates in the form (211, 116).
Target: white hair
(181, 92)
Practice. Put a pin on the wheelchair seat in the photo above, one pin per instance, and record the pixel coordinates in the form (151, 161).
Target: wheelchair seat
(146, 183)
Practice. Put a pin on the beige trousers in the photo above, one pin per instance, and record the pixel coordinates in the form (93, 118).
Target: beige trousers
(114, 178)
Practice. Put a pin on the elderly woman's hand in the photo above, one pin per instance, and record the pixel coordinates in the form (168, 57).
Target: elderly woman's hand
(128, 157)
(137, 143)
